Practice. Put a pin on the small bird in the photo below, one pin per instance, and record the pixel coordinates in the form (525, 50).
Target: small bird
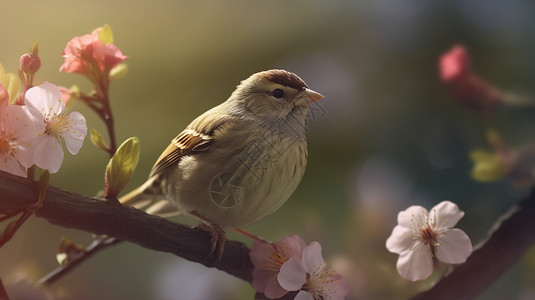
(238, 162)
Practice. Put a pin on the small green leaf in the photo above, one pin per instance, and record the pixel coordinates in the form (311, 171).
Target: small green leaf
(119, 71)
(98, 140)
(34, 51)
(105, 34)
(121, 167)
(487, 167)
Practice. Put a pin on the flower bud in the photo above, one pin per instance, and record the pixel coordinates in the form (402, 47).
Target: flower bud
(30, 64)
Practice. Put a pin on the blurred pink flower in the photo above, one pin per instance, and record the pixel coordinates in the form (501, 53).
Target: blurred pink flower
(465, 86)
(4, 97)
(420, 236)
(88, 55)
(455, 64)
(312, 277)
(17, 131)
(58, 126)
(66, 94)
(268, 259)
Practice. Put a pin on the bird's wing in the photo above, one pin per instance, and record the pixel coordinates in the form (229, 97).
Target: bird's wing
(198, 137)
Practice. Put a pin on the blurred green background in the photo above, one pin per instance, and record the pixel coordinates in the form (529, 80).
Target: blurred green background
(388, 136)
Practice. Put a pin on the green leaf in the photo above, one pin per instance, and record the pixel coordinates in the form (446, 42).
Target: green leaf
(98, 140)
(119, 71)
(487, 167)
(105, 34)
(34, 51)
(121, 167)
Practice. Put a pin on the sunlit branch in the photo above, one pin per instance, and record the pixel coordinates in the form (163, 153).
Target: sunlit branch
(70, 210)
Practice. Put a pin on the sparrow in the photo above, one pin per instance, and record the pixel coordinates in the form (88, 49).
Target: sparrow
(238, 162)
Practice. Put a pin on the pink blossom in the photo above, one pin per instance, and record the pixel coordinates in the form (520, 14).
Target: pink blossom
(88, 55)
(455, 64)
(268, 259)
(312, 277)
(464, 84)
(421, 236)
(4, 97)
(57, 126)
(66, 94)
(18, 129)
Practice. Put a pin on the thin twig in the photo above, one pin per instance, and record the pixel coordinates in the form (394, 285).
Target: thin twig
(98, 244)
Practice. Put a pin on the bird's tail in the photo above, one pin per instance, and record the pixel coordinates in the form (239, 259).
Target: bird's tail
(144, 197)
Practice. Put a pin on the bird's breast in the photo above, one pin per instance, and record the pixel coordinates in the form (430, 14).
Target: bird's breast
(234, 186)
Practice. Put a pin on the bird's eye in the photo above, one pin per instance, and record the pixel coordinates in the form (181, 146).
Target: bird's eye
(277, 93)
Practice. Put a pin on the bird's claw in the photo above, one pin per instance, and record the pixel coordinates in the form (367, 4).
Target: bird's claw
(217, 239)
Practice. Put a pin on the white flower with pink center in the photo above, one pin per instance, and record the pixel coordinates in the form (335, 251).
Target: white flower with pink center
(421, 236)
(59, 127)
(312, 277)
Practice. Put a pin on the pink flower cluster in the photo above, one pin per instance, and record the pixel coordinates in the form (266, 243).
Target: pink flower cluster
(35, 133)
(291, 265)
(91, 56)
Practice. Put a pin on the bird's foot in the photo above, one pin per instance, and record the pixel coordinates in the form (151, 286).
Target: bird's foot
(218, 237)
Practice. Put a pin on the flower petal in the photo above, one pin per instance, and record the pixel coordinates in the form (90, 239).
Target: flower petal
(338, 289)
(46, 98)
(416, 264)
(74, 136)
(302, 295)
(30, 123)
(22, 126)
(292, 275)
(9, 164)
(400, 240)
(4, 97)
(413, 213)
(260, 253)
(455, 247)
(448, 214)
(48, 153)
(260, 278)
(312, 259)
(77, 48)
(292, 245)
(20, 122)
(273, 289)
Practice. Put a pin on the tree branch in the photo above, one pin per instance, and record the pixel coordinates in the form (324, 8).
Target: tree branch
(70, 210)
(512, 235)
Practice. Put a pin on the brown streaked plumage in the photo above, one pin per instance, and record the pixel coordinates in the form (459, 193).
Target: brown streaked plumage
(238, 162)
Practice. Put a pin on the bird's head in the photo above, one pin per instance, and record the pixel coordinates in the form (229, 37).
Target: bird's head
(274, 94)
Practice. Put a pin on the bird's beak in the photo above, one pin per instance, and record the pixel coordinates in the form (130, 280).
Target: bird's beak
(308, 97)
